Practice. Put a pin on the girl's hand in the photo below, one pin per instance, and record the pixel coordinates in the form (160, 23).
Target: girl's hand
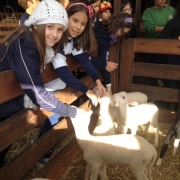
(91, 95)
(101, 88)
(111, 66)
(109, 90)
(179, 38)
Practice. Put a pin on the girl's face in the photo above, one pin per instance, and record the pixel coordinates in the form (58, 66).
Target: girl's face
(127, 9)
(105, 14)
(159, 3)
(96, 6)
(119, 32)
(77, 23)
(33, 4)
(53, 33)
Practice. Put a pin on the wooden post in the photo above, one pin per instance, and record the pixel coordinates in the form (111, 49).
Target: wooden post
(117, 6)
(138, 13)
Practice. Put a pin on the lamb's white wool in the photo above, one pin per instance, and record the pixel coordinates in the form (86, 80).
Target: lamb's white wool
(139, 97)
(105, 122)
(115, 150)
(132, 117)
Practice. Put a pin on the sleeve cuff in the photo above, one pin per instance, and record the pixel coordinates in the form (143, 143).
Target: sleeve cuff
(84, 89)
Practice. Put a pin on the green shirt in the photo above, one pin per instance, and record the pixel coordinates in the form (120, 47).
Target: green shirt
(153, 17)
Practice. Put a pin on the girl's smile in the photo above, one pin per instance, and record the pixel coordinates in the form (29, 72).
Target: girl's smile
(53, 33)
(77, 24)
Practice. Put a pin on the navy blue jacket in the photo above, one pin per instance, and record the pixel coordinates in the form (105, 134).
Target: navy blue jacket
(103, 40)
(171, 29)
(23, 18)
(23, 59)
(61, 67)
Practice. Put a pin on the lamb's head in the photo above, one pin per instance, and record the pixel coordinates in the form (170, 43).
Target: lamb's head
(122, 99)
(81, 120)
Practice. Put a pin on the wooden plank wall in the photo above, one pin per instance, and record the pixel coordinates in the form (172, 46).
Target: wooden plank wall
(129, 68)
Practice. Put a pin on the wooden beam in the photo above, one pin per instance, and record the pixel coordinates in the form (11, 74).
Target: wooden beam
(138, 14)
(117, 6)
(144, 45)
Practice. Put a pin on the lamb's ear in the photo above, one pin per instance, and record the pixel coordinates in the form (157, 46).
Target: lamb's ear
(113, 103)
(132, 103)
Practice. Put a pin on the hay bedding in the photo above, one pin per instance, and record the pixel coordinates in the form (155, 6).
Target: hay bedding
(170, 169)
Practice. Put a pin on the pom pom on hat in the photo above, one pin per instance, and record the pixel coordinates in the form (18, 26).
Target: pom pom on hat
(105, 5)
(48, 11)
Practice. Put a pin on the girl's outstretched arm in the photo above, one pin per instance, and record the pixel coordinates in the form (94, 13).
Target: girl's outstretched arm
(101, 88)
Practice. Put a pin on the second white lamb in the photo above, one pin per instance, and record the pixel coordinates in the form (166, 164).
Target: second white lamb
(132, 117)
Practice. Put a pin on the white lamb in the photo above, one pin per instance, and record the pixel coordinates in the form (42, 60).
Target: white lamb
(115, 150)
(132, 117)
(106, 117)
(105, 123)
(139, 97)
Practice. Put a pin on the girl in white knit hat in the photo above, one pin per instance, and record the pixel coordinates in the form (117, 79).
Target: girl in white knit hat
(24, 52)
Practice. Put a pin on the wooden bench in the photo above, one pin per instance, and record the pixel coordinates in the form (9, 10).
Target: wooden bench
(13, 129)
(6, 28)
(4, 15)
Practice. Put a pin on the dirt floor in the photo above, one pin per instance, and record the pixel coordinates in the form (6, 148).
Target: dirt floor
(170, 169)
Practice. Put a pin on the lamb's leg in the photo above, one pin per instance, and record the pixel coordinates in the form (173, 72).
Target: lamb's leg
(164, 148)
(147, 128)
(102, 172)
(87, 172)
(124, 129)
(133, 130)
(156, 141)
(176, 143)
(139, 173)
(149, 167)
(95, 167)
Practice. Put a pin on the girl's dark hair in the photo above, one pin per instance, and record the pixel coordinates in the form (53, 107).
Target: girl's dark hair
(116, 22)
(93, 1)
(38, 37)
(124, 3)
(178, 8)
(151, 3)
(86, 39)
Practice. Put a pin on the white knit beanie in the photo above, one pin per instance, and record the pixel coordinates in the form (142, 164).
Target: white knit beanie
(48, 11)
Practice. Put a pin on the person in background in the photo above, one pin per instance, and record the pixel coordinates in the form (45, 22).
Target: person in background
(105, 10)
(29, 6)
(154, 19)
(43, 29)
(126, 8)
(64, 2)
(95, 4)
(172, 31)
(107, 32)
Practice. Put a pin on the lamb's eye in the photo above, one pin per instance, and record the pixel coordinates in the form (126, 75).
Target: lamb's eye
(123, 97)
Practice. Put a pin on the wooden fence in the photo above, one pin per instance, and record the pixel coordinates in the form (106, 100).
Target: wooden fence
(129, 68)
(11, 130)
